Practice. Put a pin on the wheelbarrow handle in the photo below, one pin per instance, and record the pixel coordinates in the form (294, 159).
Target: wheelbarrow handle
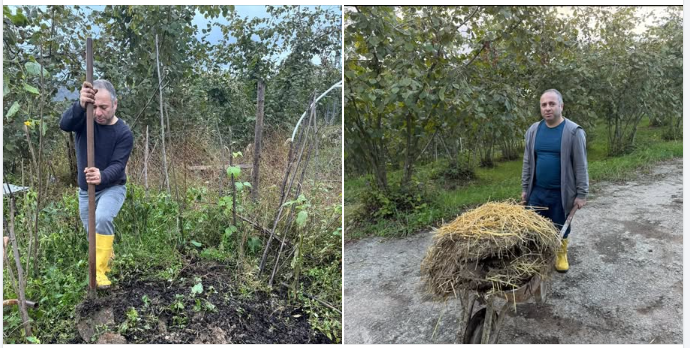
(567, 221)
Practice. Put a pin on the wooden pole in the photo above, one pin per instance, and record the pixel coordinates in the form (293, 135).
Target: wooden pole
(160, 99)
(146, 163)
(21, 282)
(258, 129)
(91, 163)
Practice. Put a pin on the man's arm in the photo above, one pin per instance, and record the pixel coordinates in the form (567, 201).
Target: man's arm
(119, 160)
(73, 119)
(580, 164)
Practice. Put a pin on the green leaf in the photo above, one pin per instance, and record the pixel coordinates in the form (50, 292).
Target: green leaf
(301, 199)
(196, 244)
(13, 110)
(289, 203)
(239, 186)
(30, 89)
(18, 19)
(302, 218)
(33, 339)
(197, 289)
(230, 230)
(247, 184)
(234, 171)
(254, 243)
(33, 68)
(237, 154)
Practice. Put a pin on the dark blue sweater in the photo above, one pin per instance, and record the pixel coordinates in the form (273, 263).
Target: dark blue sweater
(547, 148)
(112, 145)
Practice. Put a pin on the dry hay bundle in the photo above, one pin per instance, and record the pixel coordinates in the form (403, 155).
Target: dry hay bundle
(496, 247)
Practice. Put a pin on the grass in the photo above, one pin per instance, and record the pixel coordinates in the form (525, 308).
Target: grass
(498, 183)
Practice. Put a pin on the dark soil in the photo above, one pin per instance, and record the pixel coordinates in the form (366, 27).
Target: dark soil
(218, 315)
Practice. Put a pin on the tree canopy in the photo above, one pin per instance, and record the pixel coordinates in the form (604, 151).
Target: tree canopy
(472, 77)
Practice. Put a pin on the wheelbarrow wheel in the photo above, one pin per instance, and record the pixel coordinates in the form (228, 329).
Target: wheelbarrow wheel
(475, 327)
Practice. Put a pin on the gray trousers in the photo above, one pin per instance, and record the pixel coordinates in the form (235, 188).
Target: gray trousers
(108, 204)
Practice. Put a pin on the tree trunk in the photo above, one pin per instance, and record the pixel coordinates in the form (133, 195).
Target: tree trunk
(72, 156)
(172, 152)
(146, 163)
(20, 272)
(222, 147)
(160, 98)
(258, 130)
(407, 168)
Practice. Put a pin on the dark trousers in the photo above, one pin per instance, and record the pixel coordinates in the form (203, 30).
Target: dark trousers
(549, 198)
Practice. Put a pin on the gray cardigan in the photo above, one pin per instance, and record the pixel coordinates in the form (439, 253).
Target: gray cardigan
(574, 176)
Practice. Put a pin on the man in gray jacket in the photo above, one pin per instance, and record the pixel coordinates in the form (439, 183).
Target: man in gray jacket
(554, 168)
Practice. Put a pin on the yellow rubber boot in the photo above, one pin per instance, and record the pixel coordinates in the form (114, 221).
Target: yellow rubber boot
(104, 251)
(562, 257)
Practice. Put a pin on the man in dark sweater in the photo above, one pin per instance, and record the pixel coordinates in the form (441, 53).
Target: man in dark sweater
(113, 143)
(554, 168)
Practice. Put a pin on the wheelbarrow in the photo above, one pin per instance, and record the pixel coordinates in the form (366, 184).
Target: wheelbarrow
(484, 325)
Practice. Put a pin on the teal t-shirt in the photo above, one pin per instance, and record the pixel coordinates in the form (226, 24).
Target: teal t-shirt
(547, 150)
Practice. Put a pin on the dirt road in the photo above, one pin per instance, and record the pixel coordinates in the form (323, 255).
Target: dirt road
(625, 284)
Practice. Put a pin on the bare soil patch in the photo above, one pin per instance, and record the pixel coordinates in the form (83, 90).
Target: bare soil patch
(156, 311)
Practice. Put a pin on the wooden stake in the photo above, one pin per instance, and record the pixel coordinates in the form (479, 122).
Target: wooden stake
(146, 163)
(258, 129)
(21, 281)
(312, 121)
(284, 191)
(234, 190)
(91, 163)
(160, 98)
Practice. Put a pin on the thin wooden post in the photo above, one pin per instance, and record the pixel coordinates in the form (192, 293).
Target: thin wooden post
(160, 98)
(242, 234)
(284, 191)
(232, 182)
(146, 163)
(21, 281)
(312, 120)
(91, 163)
(172, 153)
(258, 129)
(222, 172)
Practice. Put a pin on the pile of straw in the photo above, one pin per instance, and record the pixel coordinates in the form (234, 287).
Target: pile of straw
(496, 247)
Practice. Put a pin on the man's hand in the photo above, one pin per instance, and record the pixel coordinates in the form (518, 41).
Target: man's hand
(524, 198)
(579, 202)
(93, 175)
(87, 94)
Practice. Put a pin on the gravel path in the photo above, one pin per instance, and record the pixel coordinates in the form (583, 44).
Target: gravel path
(625, 284)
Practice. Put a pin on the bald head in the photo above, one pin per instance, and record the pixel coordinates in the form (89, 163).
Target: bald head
(551, 106)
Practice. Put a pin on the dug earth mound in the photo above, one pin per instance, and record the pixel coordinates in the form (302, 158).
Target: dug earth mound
(181, 311)
(625, 284)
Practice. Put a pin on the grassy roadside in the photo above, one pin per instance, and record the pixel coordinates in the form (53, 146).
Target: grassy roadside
(448, 199)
